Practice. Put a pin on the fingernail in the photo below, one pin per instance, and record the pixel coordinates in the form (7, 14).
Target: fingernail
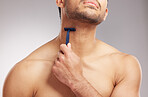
(69, 45)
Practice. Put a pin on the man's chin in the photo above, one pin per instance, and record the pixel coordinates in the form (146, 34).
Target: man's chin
(86, 15)
(89, 20)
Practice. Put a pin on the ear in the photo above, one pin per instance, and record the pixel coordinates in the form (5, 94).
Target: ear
(60, 3)
(106, 13)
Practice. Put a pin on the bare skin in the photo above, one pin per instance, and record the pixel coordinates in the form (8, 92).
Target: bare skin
(87, 67)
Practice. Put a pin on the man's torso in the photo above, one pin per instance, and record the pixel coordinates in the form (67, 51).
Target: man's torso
(101, 70)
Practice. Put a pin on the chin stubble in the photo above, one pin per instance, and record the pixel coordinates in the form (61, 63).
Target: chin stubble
(82, 16)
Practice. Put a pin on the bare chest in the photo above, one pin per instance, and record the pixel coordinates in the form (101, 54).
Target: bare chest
(100, 77)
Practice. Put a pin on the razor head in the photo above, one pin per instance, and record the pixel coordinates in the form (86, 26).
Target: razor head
(69, 29)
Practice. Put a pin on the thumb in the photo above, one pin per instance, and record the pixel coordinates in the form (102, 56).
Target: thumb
(69, 45)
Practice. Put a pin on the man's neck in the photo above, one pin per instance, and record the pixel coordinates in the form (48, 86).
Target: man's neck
(83, 39)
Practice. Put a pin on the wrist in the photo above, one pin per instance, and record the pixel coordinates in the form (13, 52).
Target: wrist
(84, 89)
(78, 85)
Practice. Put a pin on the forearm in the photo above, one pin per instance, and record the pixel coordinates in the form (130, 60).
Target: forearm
(84, 89)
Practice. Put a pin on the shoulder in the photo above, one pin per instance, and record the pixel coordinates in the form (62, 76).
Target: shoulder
(24, 78)
(127, 61)
(128, 69)
(119, 56)
(47, 51)
(132, 66)
(125, 64)
(127, 75)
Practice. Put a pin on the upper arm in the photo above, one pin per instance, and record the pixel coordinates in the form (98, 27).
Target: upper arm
(129, 86)
(19, 82)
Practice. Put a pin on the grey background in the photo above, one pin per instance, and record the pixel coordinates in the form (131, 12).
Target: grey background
(25, 25)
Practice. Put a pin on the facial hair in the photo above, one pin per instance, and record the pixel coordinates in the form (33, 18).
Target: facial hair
(83, 16)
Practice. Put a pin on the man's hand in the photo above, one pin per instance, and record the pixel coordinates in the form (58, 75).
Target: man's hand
(68, 70)
(68, 67)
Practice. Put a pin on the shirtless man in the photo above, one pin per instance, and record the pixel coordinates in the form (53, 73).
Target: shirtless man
(86, 67)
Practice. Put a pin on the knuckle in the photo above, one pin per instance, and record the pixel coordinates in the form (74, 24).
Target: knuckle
(61, 57)
(57, 63)
(62, 45)
(54, 68)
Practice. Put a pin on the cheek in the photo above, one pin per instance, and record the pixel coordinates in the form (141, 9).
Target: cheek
(102, 0)
(103, 3)
(73, 4)
(69, 6)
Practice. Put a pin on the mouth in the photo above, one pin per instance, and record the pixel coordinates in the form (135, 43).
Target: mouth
(91, 4)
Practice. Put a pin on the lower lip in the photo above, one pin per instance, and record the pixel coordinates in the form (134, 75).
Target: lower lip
(90, 3)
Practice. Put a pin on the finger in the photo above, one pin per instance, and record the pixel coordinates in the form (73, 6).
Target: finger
(61, 57)
(69, 47)
(56, 71)
(59, 65)
(57, 62)
(64, 48)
